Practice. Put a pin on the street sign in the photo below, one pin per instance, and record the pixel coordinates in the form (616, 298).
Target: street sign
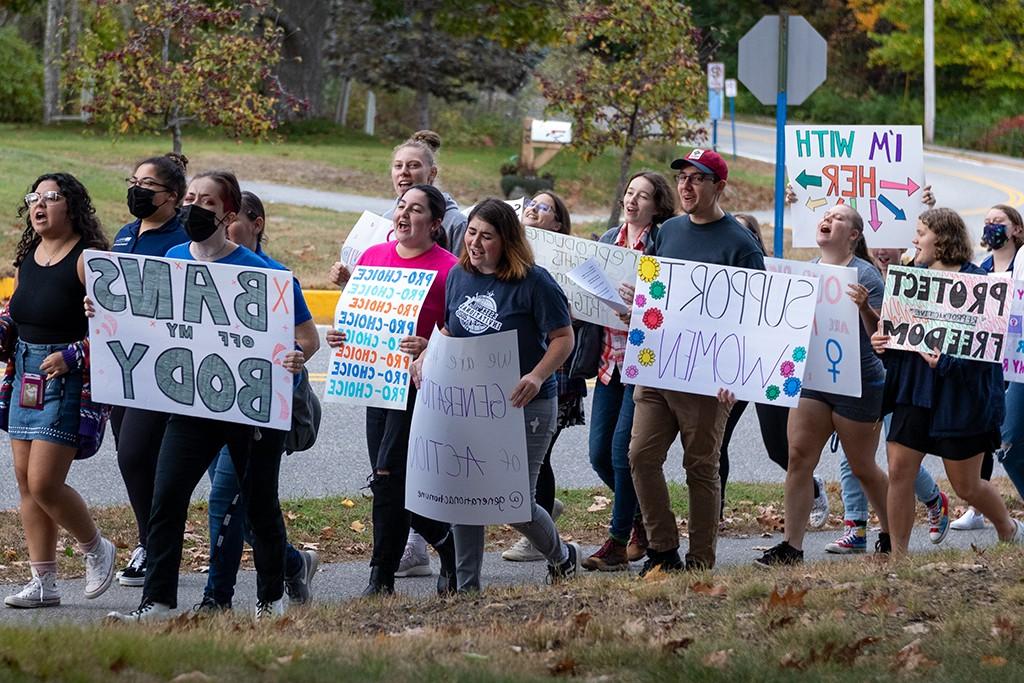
(716, 76)
(716, 105)
(806, 60)
(551, 131)
(730, 87)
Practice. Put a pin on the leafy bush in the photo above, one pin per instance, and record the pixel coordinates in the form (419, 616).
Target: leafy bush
(21, 88)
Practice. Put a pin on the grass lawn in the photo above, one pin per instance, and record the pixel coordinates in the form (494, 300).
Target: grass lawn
(304, 238)
(950, 616)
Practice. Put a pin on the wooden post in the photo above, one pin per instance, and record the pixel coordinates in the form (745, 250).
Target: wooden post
(529, 161)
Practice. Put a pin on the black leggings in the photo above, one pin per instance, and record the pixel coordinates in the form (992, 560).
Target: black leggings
(773, 421)
(545, 494)
(137, 437)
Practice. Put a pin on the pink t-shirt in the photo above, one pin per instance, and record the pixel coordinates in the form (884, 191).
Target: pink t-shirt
(436, 258)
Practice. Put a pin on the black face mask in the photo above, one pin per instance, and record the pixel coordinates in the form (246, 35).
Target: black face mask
(199, 223)
(140, 202)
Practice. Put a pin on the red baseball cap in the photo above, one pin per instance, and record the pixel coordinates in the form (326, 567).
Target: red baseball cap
(706, 161)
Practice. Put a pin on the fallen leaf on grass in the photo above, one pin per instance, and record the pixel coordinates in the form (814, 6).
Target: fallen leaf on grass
(566, 666)
(830, 652)
(656, 575)
(880, 604)
(600, 503)
(291, 516)
(911, 658)
(327, 533)
(791, 599)
(993, 661)
(357, 526)
(580, 621)
(311, 546)
(348, 503)
(917, 629)
(10, 555)
(634, 627)
(705, 588)
(980, 552)
(718, 659)
(1004, 629)
(674, 645)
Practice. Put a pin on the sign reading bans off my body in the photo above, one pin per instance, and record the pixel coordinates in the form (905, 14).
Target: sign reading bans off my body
(191, 338)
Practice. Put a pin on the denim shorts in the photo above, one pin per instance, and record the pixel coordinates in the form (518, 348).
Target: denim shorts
(57, 421)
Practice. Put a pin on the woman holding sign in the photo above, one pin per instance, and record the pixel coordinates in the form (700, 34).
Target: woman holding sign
(45, 403)
(496, 286)
(418, 228)
(856, 420)
(941, 404)
(190, 443)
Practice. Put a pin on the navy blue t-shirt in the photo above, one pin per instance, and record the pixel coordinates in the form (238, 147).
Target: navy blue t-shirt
(534, 306)
(155, 242)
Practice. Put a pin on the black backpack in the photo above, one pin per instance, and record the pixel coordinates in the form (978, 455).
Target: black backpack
(306, 414)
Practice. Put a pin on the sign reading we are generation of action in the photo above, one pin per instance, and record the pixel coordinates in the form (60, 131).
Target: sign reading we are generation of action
(959, 314)
(699, 327)
(378, 307)
(191, 338)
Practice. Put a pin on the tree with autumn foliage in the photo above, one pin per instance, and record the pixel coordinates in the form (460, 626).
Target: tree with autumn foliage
(179, 62)
(629, 72)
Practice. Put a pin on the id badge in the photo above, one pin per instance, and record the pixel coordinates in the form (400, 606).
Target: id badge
(32, 391)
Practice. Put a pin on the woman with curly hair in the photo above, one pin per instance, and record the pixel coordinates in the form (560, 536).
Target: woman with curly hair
(45, 403)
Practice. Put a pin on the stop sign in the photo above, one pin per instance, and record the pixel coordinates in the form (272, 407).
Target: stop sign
(806, 60)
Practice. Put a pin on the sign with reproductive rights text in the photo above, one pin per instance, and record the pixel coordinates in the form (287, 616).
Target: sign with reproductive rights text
(1013, 360)
(958, 314)
(467, 444)
(191, 338)
(700, 327)
(833, 357)
(560, 254)
(877, 170)
(377, 309)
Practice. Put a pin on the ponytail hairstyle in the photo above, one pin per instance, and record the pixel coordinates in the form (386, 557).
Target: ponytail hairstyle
(252, 208)
(171, 171)
(437, 206)
(230, 192)
(427, 143)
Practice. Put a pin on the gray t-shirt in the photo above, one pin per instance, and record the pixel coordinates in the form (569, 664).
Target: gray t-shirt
(871, 369)
(725, 242)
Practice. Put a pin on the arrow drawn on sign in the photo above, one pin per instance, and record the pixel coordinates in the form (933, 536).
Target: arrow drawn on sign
(815, 204)
(897, 213)
(874, 222)
(910, 187)
(806, 181)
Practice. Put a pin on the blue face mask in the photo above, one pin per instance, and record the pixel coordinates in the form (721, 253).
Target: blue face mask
(995, 235)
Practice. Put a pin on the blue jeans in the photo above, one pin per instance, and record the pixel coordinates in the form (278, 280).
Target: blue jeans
(611, 424)
(855, 503)
(1013, 436)
(224, 561)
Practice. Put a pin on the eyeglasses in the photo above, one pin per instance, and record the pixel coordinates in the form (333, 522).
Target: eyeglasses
(540, 206)
(145, 183)
(693, 178)
(32, 198)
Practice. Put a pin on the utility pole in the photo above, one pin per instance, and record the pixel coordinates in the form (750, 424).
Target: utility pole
(929, 71)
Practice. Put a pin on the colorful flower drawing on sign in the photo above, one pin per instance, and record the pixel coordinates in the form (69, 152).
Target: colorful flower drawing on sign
(791, 386)
(636, 337)
(632, 372)
(658, 289)
(772, 393)
(648, 269)
(787, 368)
(799, 354)
(653, 318)
(640, 300)
(646, 357)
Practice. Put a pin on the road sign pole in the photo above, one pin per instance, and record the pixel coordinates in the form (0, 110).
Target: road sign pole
(714, 135)
(780, 136)
(732, 122)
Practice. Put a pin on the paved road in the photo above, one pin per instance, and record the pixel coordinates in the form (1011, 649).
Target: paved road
(344, 581)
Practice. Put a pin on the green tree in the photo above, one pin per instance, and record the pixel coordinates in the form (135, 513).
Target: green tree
(629, 72)
(182, 62)
(979, 44)
(22, 84)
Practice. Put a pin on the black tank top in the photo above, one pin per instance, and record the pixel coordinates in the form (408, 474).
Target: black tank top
(47, 305)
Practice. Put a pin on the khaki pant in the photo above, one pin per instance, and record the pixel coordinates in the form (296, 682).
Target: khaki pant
(660, 415)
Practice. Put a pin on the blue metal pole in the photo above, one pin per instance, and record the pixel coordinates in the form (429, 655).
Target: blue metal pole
(714, 134)
(732, 119)
(780, 169)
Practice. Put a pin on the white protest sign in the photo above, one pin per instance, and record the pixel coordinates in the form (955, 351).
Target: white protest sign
(1013, 361)
(560, 253)
(698, 327)
(551, 131)
(467, 445)
(191, 338)
(877, 170)
(518, 205)
(589, 276)
(378, 307)
(369, 230)
(833, 358)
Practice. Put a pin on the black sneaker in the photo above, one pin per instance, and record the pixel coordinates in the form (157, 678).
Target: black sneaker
(782, 554)
(300, 586)
(666, 561)
(134, 573)
(568, 569)
(883, 546)
(208, 606)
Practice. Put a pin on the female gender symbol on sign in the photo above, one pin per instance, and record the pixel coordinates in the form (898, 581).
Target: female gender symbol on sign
(829, 346)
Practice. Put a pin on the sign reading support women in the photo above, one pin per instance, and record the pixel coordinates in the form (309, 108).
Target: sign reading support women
(833, 357)
(877, 170)
(377, 309)
(560, 254)
(467, 444)
(368, 231)
(1013, 361)
(191, 338)
(698, 327)
(959, 314)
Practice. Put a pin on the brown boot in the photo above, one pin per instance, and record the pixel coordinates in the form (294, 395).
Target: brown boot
(611, 557)
(637, 548)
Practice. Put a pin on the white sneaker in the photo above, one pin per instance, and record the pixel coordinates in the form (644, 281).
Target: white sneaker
(556, 510)
(99, 569)
(40, 591)
(972, 520)
(268, 611)
(1018, 533)
(147, 611)
(522, 551)
(413, 563)
(819, 511)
